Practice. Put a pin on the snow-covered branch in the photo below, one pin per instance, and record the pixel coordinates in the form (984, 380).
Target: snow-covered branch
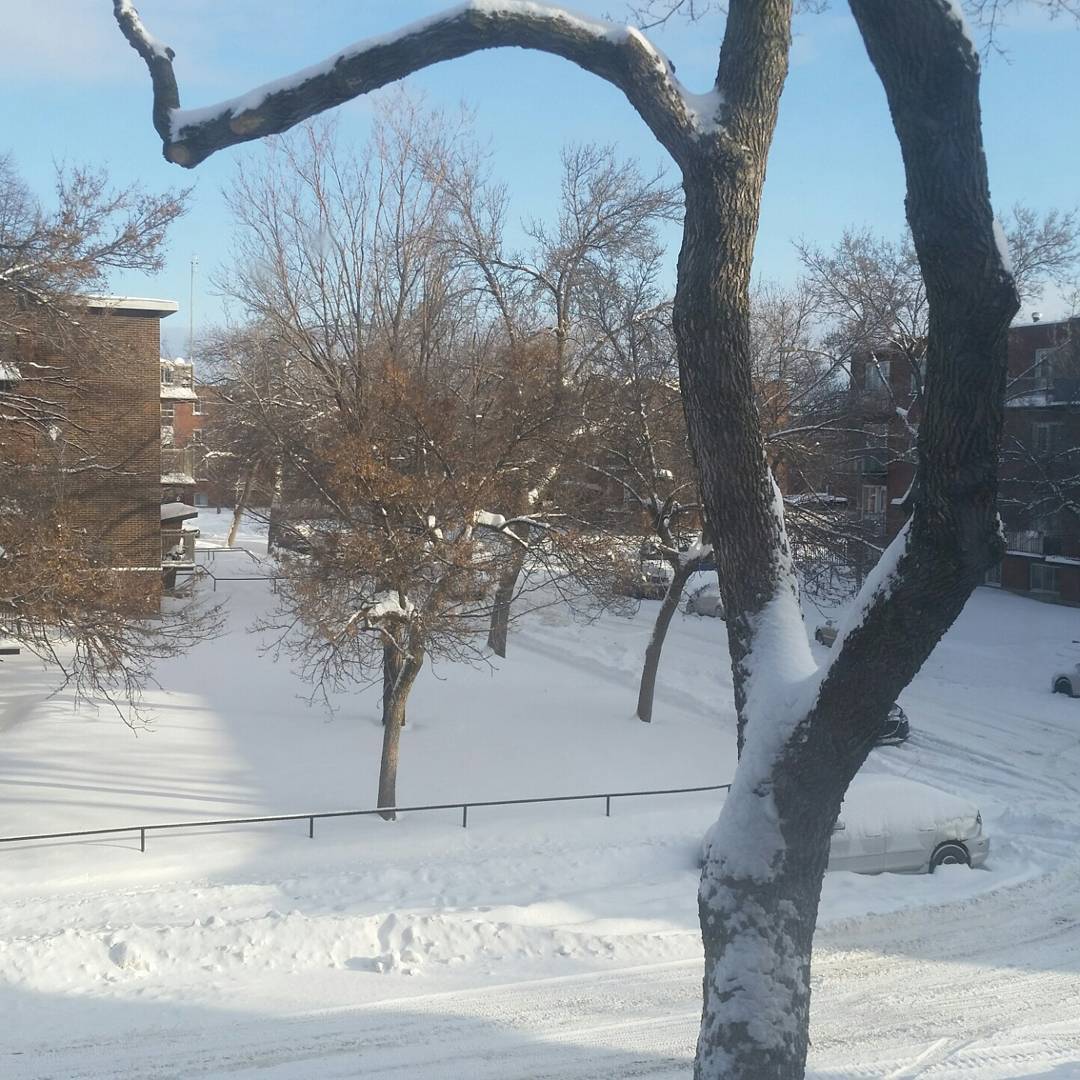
(619, 54)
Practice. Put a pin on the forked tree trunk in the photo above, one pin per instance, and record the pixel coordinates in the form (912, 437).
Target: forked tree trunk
(238, 510)
(647, 688)
(499, 629)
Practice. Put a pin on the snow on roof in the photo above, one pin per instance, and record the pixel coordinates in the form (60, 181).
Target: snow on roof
(892, 804)
(178, 393)
(9, 373)
(177, 478)
(170, 511)
(809, 498)
(133, 303)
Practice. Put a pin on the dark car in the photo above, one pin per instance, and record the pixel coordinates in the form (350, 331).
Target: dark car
(895, 729)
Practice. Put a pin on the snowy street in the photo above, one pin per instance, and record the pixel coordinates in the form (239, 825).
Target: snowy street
(541, 941)
(988, 988)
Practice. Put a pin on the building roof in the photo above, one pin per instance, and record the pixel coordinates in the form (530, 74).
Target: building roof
(177, 511)
(162, 308)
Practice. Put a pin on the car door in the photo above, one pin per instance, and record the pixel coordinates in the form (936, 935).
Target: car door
(908, 846)
(839, 848)
(866, 854)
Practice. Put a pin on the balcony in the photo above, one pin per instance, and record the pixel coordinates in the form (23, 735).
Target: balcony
(1029, 542)
(178, 548)
(177, 466)
(1039, 391)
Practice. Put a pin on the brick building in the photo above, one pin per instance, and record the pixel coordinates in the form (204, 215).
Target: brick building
(1039, 495)
(1040, 473)
(106, 452)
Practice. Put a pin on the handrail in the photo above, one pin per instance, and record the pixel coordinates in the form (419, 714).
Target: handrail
(311, 818)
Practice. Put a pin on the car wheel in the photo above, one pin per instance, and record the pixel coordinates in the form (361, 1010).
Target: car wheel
(1063, 686)
(951, 853)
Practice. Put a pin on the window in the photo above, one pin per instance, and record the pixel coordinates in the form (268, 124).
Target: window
(1043, 578)
(201, 499)
(196, 408)
(873, 498)
(166, 375)
(877, 374)
(1044, 364)
(167, 412)
(918, 375)
(1046, 438)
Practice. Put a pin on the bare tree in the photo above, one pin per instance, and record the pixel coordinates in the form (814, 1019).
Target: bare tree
(607, 214)
(405, 421)
(803, 733)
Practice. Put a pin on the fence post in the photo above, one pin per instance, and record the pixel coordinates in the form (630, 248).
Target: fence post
(464, 816)
(607, 808)
(311, 828)
(142, 840)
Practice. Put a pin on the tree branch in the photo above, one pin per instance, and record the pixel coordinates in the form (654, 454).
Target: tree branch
(620, 55)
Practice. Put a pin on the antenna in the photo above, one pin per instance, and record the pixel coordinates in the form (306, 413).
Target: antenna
(191, 307)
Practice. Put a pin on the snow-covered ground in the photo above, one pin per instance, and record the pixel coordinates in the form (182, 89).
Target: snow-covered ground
(541, 941)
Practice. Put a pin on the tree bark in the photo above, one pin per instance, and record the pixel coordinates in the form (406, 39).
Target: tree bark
(647, 687)
(504, 597)
(273, 529)
(238, 510)
(758, 901)
(393, 662)
(393, 721)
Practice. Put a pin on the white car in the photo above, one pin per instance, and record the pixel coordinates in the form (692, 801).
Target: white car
(706, 601)
(894, 824)
(891, 824)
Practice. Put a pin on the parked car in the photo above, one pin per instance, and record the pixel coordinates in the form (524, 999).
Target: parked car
(891, 824)
(1067, 681)
(826, 634)
(895, 729)
(706, 601)
(653, 580)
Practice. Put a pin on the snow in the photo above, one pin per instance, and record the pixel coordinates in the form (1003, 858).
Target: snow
(172, 510)
(492, 521)
(956, 14)
(1002, 247)
(387, 604)
(875, 806)
(543, 940)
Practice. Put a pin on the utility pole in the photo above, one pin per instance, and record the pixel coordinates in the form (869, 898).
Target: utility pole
(191, 308)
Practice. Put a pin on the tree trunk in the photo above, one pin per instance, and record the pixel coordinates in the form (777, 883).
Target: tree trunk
(809, 731)
(393, 661)
(504, 597)
(273, 530)
(238, 510)
(393, 721)
(647, 688)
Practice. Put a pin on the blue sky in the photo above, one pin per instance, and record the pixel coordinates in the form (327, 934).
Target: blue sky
(71, 89)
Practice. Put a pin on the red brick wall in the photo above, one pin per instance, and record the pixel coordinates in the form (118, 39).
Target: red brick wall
(113, 440)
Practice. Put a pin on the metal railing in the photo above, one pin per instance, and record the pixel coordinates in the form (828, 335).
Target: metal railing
(178, 547)
(464, 807)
